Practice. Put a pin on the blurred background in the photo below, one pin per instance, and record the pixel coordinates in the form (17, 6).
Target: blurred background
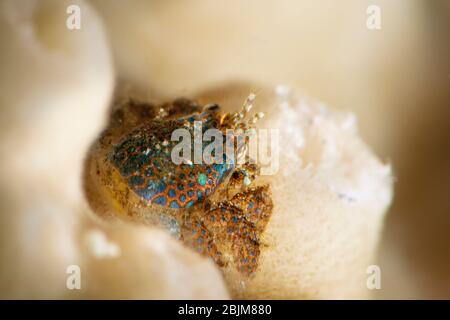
(396, 79)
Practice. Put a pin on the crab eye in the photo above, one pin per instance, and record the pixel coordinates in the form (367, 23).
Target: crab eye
(212, 107)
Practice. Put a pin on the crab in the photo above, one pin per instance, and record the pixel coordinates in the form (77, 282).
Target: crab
(214, 207)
